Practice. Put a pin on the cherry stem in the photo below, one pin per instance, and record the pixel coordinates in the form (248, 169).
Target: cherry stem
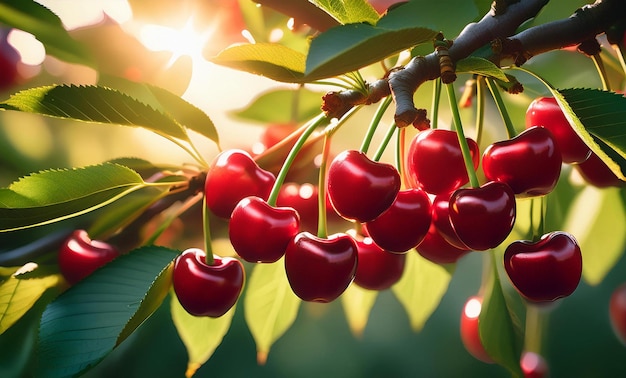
(434, 116)
(177, 212)
(282, 174)
(206, 228)
(467, 156)
(385, 142)
(400, 142)
(604, 79)
(495, 93)
(322, 230)
(480, 107)
(536, 322)
(620, 56)
(371, 130)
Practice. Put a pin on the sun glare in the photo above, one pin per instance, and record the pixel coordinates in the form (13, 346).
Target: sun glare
(183, 41)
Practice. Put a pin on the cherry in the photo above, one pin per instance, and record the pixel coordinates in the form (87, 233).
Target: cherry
(435, 161)
(260, 232)
(534, 365)
(233, 176)
(544, 270)
(438, 250)
(597, 173)
(617, 312)
(441, 221)
(9, 62)
(404, 224)
(320, 269)
(377, 269)
(529, 163)
(207, 290)
(545, 111)
(359, 188)
(470, 335)
(80, 256)
(483, 217)
(275, 133)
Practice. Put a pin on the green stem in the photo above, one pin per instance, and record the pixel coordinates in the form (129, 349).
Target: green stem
(371, 130)
(495, 92)
(480, 107)
(434, 113)
(399, 156)
(171, 217)
(206, 227)
(282, 174)
(467, 156)
(620, 55)
(536, 322)
(322, 229)
(385, 142)
(597, 61)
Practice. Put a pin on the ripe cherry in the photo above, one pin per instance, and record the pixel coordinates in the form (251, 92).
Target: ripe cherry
(435, 161)
(207, 290)
(9, 62)
(233, 176)
(377, 269)
(470, 335)
(359, 188)
(545, 111)
(483, 217)
(437, 249)
(80, 256)
(404, 224)
(530, 163)
(320, 269)
(260, 232)
(597, 173)
(545, 270)
(534, 365)
(441, 220)
(617, 312)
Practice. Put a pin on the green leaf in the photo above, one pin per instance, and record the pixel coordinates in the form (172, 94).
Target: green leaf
(94, 104)
(597, 220)
(421, 288)
(46, 26)
(200, 334)
(271, 60)
(480, 66)
(447, 16)
(599, 118)
(275, 107)
(357, 304)
(20, 292)
(500, 330)
(349, 11)
(350, 47)
(50, 196)
(270, 307)
(84, 324)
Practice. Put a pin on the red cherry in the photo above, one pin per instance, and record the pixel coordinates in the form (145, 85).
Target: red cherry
(276, 133)
(470, 335)
(437, 249)
(260, 232)
(544, 270)
(377, 269)
(361, 189)
(441, 221)
(533, 365)
(207, 290)
(597, 173)
(303, 198)
(529, 163)
(318, 269)
(617, 312)
(9, 62)
(545, 111)
(435, 161)
(80, 256)
(404, 224)
(483, 217)
(233, 176)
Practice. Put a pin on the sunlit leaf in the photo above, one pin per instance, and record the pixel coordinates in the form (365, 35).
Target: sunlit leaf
(270, 307)
(480, 66)
(349, 11)
(357, 304)
(94, 104)
(55, 195)
(84, 324)
(421, 288)
(20, 291)
(275, 107)
(46, 26)
(597, 220)
(200, 334)
(500, 330)
(274, 61)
